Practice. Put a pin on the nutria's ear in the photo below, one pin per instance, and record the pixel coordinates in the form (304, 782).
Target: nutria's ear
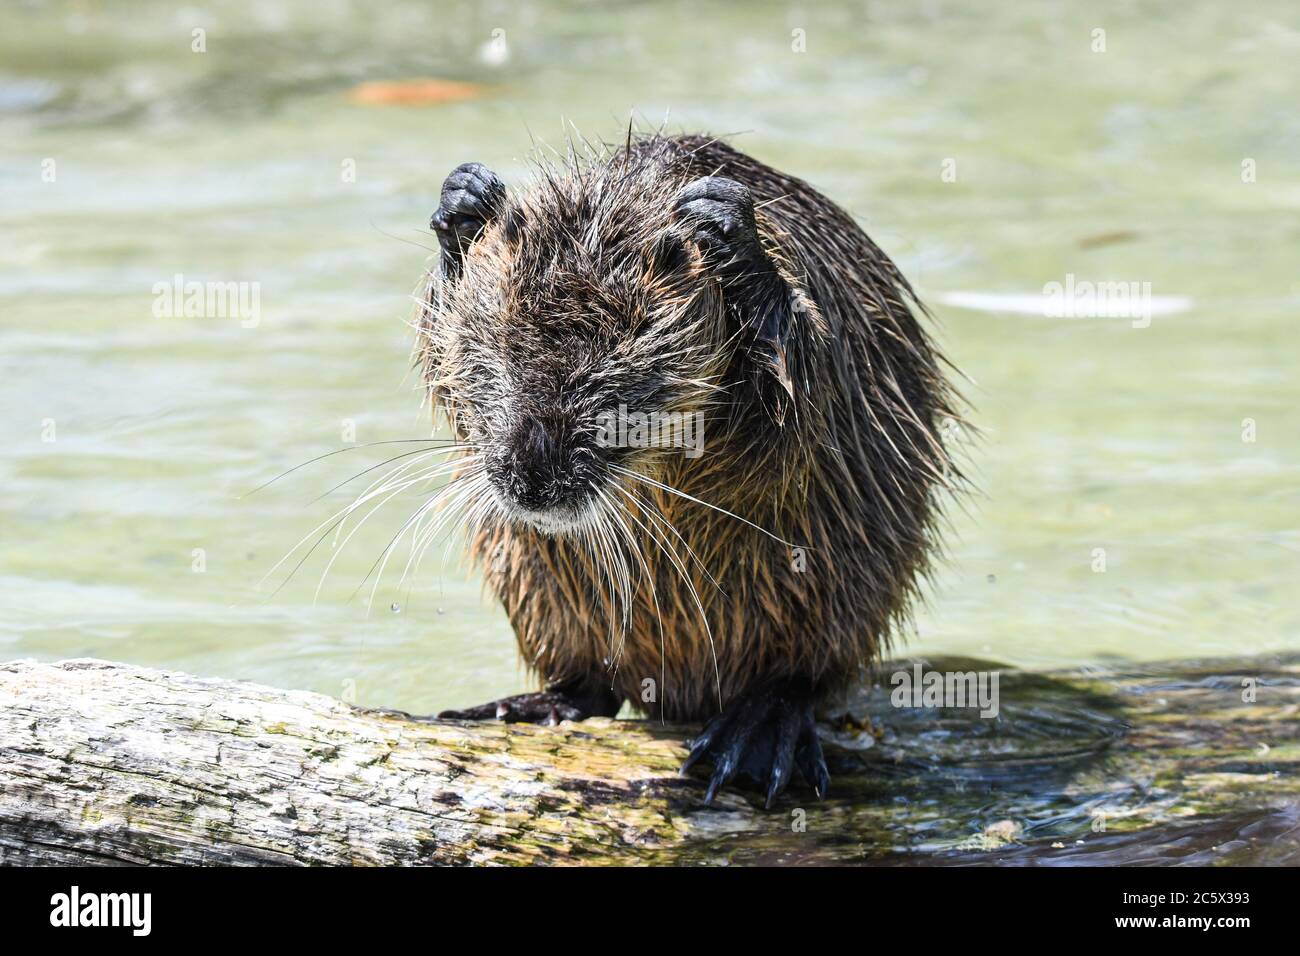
(471, 197)
(718, 214)
(774, 305)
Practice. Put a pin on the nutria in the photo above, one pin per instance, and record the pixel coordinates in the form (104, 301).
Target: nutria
(737, 586)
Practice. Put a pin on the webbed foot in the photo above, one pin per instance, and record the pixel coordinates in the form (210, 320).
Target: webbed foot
(764, 735)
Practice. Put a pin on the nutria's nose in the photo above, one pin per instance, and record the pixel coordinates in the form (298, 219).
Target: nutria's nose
(535, 476)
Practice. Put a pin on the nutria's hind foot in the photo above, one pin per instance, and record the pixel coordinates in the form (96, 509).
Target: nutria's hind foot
(763, 736)
(568, 701)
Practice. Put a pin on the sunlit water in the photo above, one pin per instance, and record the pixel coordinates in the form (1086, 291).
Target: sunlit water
(991, 152)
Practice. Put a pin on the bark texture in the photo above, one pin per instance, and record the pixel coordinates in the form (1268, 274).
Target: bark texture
(117, 764)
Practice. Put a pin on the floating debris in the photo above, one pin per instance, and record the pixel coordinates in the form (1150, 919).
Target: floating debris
(424, 92)
(994, 836)
(1114, 237)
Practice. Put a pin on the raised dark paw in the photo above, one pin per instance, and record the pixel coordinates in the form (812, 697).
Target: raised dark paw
(719, 216)
(471, 196)
(764, 735)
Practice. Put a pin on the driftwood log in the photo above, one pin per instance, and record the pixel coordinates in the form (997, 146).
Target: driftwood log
(116, 764)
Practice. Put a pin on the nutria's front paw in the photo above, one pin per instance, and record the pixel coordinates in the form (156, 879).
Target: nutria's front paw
(763, 736)
(471, 196)
(540, 708)
(719, 214)
(572, 701)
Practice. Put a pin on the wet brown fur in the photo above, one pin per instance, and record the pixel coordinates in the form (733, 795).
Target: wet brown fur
(848, 465)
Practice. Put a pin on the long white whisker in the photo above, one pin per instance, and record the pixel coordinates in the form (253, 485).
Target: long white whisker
(617, 573)
(671, 490)
(613, 550)
(423, 453)
(339, 451)
(595, 547)
(656, 514)
(681, 571)
(387, 553)
(334, 523)
(422, 538)
(618, 509)
(393, 475)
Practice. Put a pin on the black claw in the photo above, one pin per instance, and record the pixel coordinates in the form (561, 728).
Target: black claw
(809, 757)
(812, 767)
(701, 744)
(699, 747)
(723, 770)
(714, 783)
(775, 787)
(783, 755)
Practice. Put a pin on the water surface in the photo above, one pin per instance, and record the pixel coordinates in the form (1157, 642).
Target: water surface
(989, 149)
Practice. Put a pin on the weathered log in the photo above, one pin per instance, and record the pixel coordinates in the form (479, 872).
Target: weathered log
(111, 763)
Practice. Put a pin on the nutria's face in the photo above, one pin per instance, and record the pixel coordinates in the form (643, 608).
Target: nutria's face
(568, 318)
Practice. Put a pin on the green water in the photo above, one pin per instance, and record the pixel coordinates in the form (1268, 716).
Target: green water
(229, 165)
